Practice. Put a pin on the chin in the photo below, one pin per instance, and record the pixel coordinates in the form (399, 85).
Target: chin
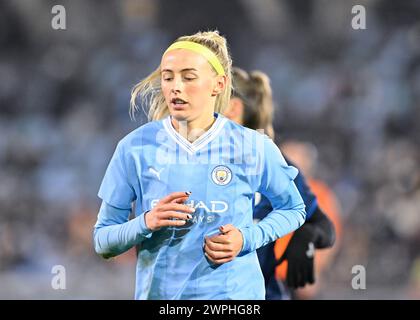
(180, 115)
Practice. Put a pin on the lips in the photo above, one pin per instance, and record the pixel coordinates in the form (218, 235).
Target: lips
(178, 103)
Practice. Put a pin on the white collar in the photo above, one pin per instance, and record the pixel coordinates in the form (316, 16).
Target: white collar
(203, 140)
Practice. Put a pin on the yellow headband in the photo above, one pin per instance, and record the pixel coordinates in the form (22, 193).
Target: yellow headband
(203, 50)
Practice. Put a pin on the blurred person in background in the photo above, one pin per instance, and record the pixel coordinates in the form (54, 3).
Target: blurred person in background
(252, 106)
(304, 155)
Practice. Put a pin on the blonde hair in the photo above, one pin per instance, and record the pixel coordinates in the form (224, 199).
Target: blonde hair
(254, 90)
(149, 89)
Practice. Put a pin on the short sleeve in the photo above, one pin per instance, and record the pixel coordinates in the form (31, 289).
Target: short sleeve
(115, 188)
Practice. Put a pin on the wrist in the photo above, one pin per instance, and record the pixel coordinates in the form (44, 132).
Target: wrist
(144, 229)
(245, 249)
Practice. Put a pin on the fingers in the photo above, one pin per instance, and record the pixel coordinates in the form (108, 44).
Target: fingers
(219, 249)
(219, 261)
(180, 200)
(311, 275)
(292, 276)
(172, 218)
(167, 215)
(307, 276)
(298, 276)
(172, 223)
(217, 253)
(222, 238)
(218, 257)
(214, 246)
(301, 277)
(169, 208)
(226, 228)
(175, 207)
(174, 196)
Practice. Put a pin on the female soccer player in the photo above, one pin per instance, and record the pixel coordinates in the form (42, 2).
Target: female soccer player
(252, 106)
(192, 175)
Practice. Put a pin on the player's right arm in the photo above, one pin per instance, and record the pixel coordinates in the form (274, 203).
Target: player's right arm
(168, 209)
(114, 234)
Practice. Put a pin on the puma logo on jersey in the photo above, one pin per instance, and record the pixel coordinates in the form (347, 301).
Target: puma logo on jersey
(156, 173)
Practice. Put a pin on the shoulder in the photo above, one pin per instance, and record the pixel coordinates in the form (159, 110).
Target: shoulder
(136, 138)
(252, 142)
(246, 133)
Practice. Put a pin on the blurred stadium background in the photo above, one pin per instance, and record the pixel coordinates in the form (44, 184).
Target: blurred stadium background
(64, 94)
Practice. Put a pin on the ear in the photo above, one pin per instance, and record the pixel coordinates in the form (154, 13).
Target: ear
(219, 86)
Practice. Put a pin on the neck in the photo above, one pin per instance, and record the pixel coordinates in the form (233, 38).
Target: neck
(193, 129)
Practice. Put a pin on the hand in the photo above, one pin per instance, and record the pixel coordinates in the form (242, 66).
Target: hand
(224, 247)
(167, 209)
(300, 256)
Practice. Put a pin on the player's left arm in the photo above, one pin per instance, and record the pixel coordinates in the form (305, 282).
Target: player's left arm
(277, 184)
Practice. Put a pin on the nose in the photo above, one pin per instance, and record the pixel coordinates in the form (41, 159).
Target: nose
(177, 85)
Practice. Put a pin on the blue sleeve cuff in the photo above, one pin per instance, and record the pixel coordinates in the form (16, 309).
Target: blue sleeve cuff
(144, 230)
(246, 237)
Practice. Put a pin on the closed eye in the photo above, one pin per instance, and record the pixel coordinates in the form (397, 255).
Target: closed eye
(189, 76)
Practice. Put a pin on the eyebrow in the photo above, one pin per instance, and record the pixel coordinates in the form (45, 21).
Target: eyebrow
(183, 70)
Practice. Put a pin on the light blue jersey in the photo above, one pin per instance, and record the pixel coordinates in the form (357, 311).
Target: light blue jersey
(223, 169)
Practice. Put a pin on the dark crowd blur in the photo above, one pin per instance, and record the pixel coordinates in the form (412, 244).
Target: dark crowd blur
(353, 96)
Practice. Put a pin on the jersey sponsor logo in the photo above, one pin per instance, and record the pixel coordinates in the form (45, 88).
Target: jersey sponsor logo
(214, 206)
(221, 175)
(203, 218)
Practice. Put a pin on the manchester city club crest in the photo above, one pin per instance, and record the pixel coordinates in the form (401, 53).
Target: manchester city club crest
(221, 175)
